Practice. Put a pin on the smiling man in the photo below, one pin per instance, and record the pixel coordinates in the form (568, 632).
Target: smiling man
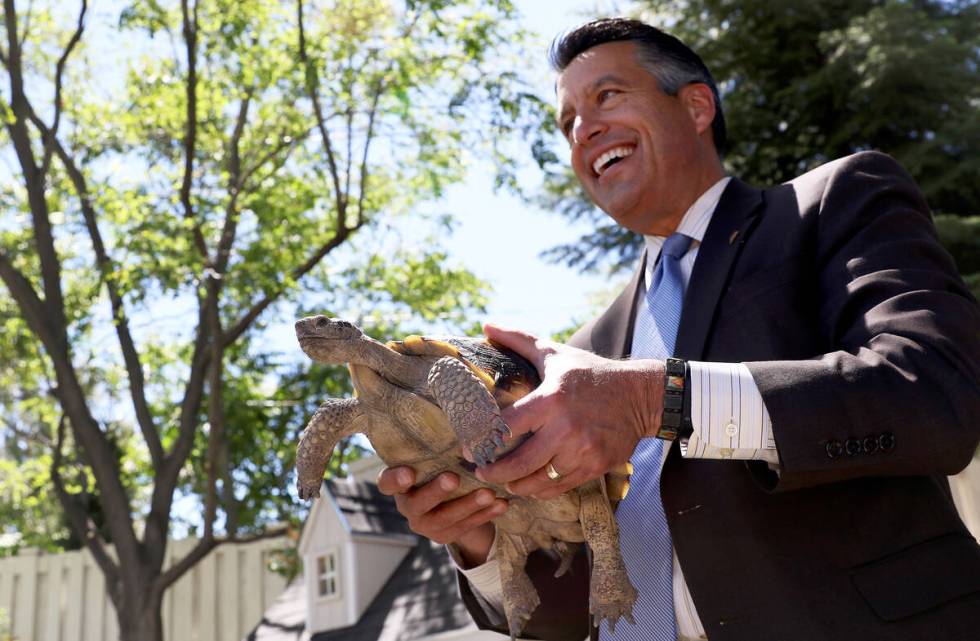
(793, 372)
(643, 155)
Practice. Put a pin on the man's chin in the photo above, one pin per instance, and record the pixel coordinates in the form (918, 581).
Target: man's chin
(624, 210)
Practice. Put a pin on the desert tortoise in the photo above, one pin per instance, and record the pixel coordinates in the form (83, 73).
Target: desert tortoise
(419, 402)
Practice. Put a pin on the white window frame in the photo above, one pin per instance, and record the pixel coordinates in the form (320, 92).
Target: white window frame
(327, 566)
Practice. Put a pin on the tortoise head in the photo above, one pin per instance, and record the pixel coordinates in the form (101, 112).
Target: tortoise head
(328, 340)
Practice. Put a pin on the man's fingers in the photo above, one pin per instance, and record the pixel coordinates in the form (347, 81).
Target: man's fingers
(476, 519)
(557, 488)
(451, 518)
(423, 499)
(521, 342)
(395, 480)
(529, 457)
(525, 415)
(539, 485)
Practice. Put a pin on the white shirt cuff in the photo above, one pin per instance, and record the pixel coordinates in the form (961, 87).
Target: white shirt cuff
(729, 418)
(484, 580)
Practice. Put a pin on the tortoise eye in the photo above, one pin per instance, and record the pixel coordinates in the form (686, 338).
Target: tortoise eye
(321, 322)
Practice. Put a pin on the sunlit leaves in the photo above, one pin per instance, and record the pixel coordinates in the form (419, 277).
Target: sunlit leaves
(270, 194)
(420, 286)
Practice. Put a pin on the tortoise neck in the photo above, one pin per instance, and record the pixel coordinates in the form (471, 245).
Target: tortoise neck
(396, 367)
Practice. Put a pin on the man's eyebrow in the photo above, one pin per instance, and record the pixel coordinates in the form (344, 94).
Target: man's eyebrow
(609, 78)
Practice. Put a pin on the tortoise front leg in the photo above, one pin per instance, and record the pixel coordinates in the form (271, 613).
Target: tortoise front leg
(333, 421)
(470, 407)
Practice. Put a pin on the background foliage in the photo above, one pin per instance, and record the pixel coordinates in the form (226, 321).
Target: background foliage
(182, 179)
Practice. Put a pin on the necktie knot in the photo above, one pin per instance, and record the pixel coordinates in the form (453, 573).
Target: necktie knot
(676, 245)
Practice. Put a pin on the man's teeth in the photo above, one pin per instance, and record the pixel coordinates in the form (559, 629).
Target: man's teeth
(599, 165)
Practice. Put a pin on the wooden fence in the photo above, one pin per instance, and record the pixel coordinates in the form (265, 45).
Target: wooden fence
(62, 597)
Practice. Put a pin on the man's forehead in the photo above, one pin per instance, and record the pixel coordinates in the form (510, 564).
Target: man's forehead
(597, 61)
(595, 66)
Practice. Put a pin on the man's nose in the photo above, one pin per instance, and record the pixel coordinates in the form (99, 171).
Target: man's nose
(586, 127)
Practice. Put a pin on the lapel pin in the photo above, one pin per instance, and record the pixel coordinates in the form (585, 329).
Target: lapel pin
(731, 239)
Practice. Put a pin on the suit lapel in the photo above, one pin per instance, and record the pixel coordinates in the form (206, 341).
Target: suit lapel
(730, 225)
(613, 330)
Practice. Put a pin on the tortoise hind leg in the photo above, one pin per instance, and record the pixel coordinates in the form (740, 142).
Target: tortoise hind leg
(611, 594)
(520, 596)
(334, 420)
(470, 408)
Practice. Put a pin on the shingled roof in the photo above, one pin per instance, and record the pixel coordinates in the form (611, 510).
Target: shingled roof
(366, 510)
(419, 599)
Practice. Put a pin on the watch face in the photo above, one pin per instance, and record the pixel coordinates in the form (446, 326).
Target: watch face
(676, 367)
(675, 383)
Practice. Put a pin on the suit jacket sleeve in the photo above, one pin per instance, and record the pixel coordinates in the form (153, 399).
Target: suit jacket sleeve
(563, 614)
(899, 390)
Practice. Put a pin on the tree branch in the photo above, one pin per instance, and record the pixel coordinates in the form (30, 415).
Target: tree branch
(27, 300)
(59, 73)
(175, 571)
(47, 319)
(204, 546)
(313, 88)
(216, 414)
(84, 527)
(34, 180)
(234, 188)
(379, 87)
(165, 479)
(364, 157)
(33, 437)
(349, 160)
(246, 321)
(203, 359)
(251, 169)
(168, 473)
(104, 263)
(190, 137)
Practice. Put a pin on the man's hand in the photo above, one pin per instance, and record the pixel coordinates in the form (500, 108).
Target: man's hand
(464, 521)
(587, 415)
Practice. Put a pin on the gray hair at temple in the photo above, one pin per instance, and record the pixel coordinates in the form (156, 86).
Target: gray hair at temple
(669, 60)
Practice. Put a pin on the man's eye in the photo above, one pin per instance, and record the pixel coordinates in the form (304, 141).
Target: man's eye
(605, 94)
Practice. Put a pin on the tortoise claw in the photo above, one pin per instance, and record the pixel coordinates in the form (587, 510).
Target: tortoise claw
(480, 456)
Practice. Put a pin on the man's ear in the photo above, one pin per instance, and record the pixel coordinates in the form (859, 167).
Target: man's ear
(700, 104)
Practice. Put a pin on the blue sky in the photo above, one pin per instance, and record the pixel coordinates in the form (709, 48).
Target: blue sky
(499, 237)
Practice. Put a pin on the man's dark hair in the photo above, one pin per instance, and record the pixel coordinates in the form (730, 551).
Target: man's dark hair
(668, 59)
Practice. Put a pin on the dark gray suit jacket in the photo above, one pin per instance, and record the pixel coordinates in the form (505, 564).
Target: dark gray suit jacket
(865, 345)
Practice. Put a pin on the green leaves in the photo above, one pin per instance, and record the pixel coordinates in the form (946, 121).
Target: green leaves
(419, 287)
(264, 186)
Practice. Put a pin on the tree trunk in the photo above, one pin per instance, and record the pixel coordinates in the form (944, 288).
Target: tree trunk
(140, 617)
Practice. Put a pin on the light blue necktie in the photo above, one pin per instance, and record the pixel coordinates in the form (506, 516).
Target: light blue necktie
(643, 534)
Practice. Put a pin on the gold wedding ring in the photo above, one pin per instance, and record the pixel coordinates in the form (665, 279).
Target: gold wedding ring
(552, 472)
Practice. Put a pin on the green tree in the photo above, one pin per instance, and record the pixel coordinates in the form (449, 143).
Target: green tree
(256, 160)
(806, 82)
